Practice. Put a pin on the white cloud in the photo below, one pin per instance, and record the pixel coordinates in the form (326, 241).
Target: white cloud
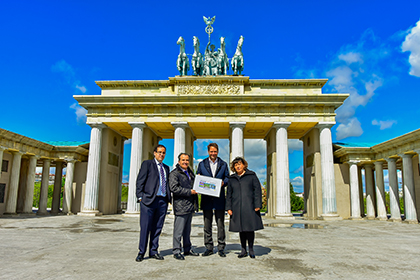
(128, 141)
(80, 113)
(352, 128)
(69, 75)
(350, 74)
(297, 181)
(383, 124)
(298, 170)
(351, 57)
(81, 88)
(256, 156)
(294, 145)
(412, 44)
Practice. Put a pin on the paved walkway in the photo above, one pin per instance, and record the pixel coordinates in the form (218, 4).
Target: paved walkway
(74, 247)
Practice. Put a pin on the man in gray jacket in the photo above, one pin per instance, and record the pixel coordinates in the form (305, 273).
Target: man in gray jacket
(185, 203)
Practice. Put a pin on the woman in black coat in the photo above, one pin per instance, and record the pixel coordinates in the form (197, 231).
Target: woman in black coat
(243, 202)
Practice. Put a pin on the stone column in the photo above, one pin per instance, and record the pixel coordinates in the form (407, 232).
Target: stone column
(30, 184)
(237, 136)
(361, 194)
(283, 209)
(394, 197)
(55, 207)
(11, 202)
(135, 162)
(370, 197)
(120, 177)
(409, 192)
(90, 206)
(380, 191)
(354, 191)
(329, 202)
(68, 187)
(43, 193)
(179, 139)
(1, 156)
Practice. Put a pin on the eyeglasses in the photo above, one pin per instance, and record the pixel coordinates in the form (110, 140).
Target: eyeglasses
(161, 153)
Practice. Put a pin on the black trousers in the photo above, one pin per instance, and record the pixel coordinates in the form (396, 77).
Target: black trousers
(221, 235)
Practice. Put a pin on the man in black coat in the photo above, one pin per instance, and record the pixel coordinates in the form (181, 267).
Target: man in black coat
(153, 194)
(215, 167)
(185, 200)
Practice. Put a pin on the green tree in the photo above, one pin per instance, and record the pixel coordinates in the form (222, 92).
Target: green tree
(296, 202)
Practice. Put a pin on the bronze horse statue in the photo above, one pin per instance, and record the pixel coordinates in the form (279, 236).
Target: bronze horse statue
(222, 60)
(182, 63)
(197, 58)
(238, 58)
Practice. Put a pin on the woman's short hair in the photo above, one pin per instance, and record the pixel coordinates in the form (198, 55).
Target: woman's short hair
(235, 161)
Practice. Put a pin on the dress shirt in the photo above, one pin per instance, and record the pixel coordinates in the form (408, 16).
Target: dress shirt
(213, 166)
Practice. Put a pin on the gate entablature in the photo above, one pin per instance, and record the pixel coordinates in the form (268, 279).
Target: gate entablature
(210, 103)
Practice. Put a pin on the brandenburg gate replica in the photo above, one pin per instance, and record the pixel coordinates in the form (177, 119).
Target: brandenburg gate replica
(211, 104)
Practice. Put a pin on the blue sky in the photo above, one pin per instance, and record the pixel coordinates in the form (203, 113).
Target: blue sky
(52, 50)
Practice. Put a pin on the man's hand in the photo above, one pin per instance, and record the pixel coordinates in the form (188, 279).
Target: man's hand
(193, 192)
(230, 212)
(257, 209)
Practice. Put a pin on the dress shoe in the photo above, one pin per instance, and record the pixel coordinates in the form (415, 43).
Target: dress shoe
(157, 256)
(208, 253)
(222, 253)
(252, 256)
(179, 256)
(242, 255)
(191, 253)
(140, 257)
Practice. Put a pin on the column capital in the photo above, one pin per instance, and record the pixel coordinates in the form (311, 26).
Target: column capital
(325, 124)
(237, 124)
(406, 155)
(96, 125)
(369, 165)
(353, 162)
(179, 124)
(281, 124)
(379, 163)
(137, 124)
(16, 152)
(70, 160)
(391, 159)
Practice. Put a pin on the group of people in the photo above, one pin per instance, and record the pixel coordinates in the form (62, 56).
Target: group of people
(156, 187)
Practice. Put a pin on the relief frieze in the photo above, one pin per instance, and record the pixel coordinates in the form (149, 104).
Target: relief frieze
(209, 89)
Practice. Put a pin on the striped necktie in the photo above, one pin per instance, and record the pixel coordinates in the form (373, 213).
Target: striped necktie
(162, 179)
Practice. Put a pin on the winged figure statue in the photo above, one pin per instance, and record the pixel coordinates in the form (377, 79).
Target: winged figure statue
(209, 21)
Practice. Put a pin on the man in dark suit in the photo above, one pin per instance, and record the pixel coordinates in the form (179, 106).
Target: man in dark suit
(153, 194)
(215, 167)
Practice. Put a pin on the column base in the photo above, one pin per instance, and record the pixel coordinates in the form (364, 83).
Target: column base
(395, 220)
(381, 218)
(356, 218)
(370, 217)
(410, 222)
(11, 214)
(89, 213)
(131, 214)
(42, 213)
(330, 217)
(284, 217)
(28, 214)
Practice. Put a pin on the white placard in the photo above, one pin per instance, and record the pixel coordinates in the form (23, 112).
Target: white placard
(207, 185)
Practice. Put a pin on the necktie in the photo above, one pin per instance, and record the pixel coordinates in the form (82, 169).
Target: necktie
(162, 179)
(188, 175)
